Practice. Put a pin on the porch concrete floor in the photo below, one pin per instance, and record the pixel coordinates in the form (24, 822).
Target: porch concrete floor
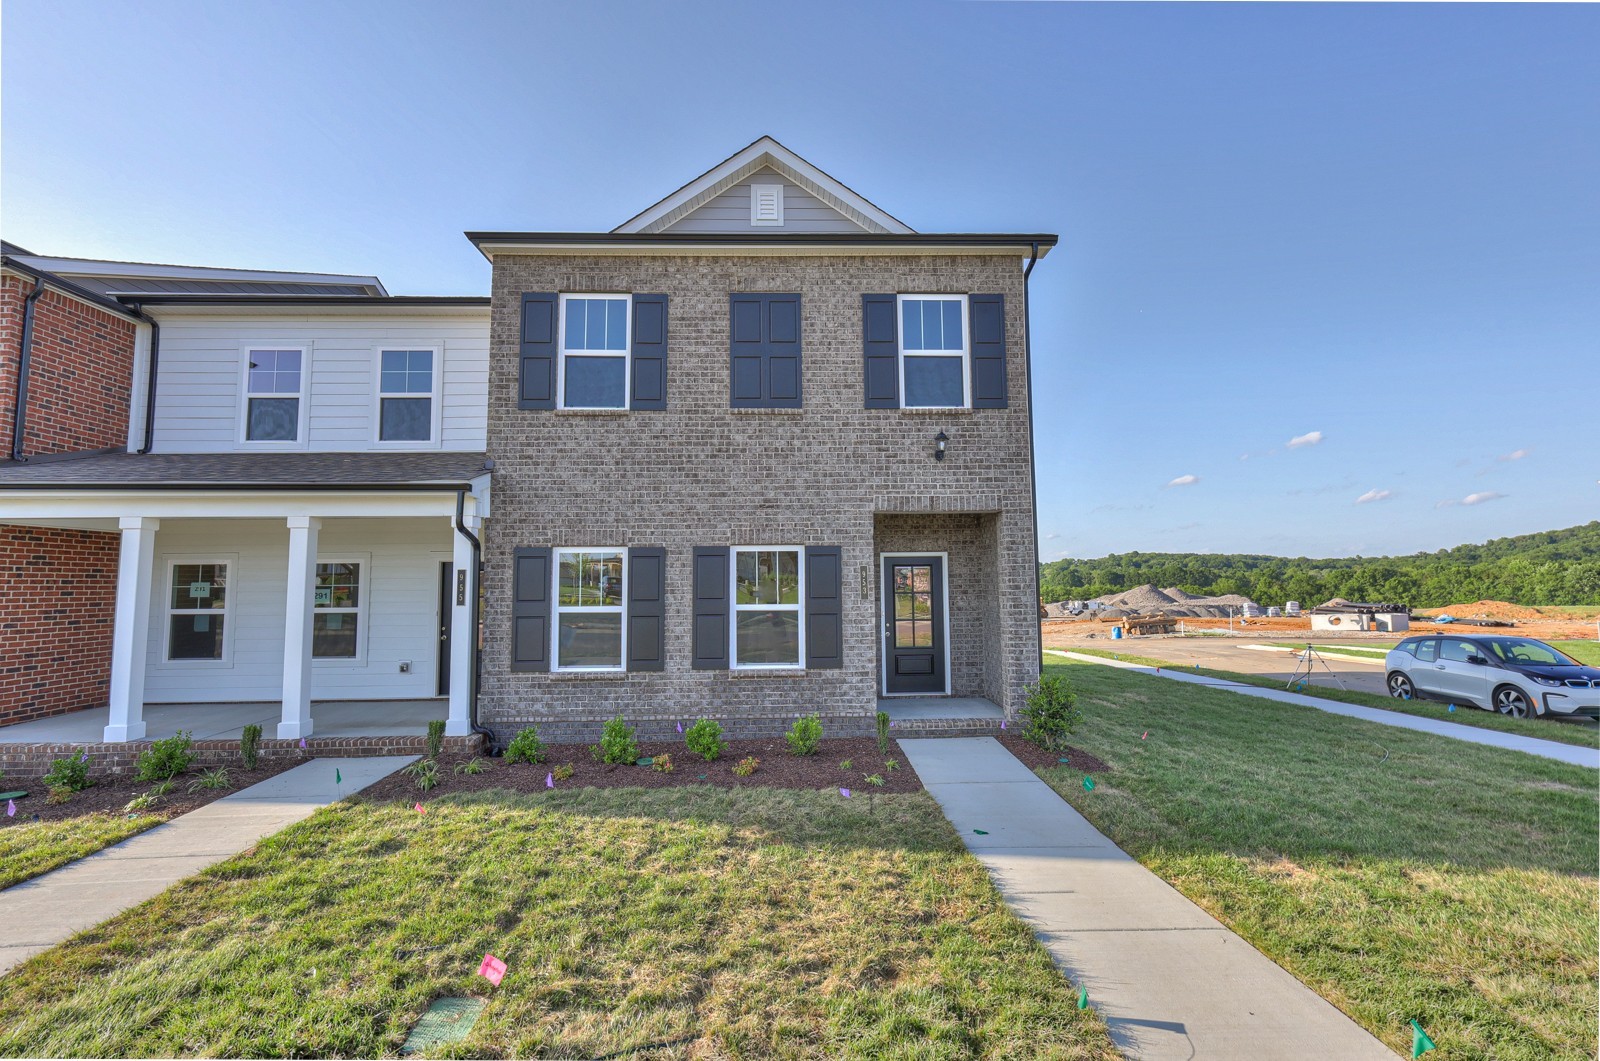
(330, 718)
(909, 708)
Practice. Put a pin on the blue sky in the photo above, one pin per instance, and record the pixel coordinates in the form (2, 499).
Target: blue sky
(1373, 225)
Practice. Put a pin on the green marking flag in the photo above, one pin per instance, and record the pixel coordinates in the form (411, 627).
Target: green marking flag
(981, 832)
(1088, 784)
(1083, 998)
(1420, 1043)
(338, 778)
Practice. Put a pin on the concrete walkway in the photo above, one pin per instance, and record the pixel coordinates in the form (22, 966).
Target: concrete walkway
(40, 913)
(1549, 749)
(1170, 980)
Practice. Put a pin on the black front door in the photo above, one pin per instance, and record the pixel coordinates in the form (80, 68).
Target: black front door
(447, 599)
(913, 635)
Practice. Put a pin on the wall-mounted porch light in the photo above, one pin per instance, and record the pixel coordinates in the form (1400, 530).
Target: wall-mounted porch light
(939, 442)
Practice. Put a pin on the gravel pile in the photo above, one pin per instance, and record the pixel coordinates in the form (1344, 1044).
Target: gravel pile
(1149, 600)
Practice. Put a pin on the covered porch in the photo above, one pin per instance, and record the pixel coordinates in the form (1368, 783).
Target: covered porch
(226, 722)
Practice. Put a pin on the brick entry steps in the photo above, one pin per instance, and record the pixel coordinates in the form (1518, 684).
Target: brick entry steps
(33, 760)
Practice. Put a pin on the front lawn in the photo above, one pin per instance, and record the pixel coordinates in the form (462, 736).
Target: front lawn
(652, 923)
(1399, 874)
(29, 848)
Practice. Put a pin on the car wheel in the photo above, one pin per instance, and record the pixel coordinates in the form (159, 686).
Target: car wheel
(1509, 700)
(1400, 687)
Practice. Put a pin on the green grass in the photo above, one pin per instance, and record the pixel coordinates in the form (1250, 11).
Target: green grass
(743, 923)
(1399, 874)
(28, 849)
(1585, 735)
(1376, 651)
(1582, 651)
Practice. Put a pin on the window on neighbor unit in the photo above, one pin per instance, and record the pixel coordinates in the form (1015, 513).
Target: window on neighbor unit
(768, 588)
(405, 395)
(933, 351)
(272, 383)
(197, 608)
(594, 351)
(336, 610)
(588, 621)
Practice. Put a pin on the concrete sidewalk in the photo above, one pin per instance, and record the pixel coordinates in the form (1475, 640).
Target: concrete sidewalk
(1170, 980)
(1549, 749)
(39, 913)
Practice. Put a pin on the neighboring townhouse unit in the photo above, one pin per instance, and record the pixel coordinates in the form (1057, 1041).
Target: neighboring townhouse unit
(760, 451)
(293, 518)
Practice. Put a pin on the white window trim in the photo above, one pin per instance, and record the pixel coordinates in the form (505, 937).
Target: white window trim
(626, 353)
(436, 416)
(363, 594)
(966, 348)
(755, 197)
(602, 609)
(172, 562)
(883, 621)
(302, 421)
(734, 607)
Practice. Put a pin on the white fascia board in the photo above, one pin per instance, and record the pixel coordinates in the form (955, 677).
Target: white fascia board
(45, 506)
(68, 267)
(309, 311)
(753, 250)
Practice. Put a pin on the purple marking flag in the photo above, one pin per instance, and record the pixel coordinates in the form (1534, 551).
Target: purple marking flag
(83, 757)
(550, 780)
(11, 808)
(1002, 723)
(845, 792)
(302, 744)
(492, 969)
(680, 727)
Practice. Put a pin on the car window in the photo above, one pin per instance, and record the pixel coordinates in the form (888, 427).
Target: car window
(1458, 651)
(1524, 650)
(1428, 651)
(1408, 647)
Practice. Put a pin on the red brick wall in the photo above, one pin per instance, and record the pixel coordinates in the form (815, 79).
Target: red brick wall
(81, 376)
(57, 600)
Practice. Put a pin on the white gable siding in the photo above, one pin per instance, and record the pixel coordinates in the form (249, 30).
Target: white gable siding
(201, 377)
(730, 211)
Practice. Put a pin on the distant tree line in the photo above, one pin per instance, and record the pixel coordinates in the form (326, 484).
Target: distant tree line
(1554, 568)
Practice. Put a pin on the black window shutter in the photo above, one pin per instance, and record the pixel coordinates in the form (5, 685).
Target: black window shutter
(987, 314)
(880, 340)
(764, 351)
(530, 610)
(649, 351)
(647, 595)
(536, 378)
(824, 607)
(710, 608)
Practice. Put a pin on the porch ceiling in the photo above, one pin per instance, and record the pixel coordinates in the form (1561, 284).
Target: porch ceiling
(332, 718)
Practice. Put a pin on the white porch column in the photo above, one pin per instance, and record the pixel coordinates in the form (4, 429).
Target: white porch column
(296, 721)
(130, 629)
(463, 636)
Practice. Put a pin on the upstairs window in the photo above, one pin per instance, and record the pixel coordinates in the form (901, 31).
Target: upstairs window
(933, 351)
(594, 351)
(406, 395)
(272, 384)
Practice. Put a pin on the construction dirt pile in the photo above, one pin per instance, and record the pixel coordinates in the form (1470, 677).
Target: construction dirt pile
(1487, 609)
(1148, 600)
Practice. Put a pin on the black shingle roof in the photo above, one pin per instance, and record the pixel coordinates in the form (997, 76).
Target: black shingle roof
(243, 471)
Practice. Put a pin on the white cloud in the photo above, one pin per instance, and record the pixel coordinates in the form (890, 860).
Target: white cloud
(1478, 499)
(1185, 480)
(1310, 438)
(1052, 536)
(1374, 495)
(1514, 455)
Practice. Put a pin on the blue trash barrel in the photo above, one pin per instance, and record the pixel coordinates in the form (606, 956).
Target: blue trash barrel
(1116, 633)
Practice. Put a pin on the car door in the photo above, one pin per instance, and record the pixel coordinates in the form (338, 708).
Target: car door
(1460, 679)
(1423, 673)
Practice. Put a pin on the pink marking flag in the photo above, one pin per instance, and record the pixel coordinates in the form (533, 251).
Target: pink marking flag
(845, 792)
(550, 780)
(420, 809)
(492, 969)
(1145, 734)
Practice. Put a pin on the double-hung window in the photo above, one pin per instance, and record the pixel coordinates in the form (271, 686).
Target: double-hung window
(406, 381)
(197, 610)
(273, 381)
(336, 610)
(768, 584)
(594, 345)
(588, 627)
(933, 351)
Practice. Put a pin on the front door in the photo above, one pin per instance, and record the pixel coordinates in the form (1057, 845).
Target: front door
(913, 634)
(447, 597)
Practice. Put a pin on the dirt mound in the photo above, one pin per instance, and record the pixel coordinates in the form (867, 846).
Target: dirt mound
(1487, 609)
(1143, 598)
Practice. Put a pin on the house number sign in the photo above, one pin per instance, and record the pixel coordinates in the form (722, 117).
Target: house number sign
(199, 589)
(324, 594)
(461, 586)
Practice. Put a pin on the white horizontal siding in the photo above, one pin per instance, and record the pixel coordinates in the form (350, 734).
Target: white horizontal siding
(400, 578)
(730, 211)
(198, 392)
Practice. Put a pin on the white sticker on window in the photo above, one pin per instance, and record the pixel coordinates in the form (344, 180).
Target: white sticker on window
(199, 589)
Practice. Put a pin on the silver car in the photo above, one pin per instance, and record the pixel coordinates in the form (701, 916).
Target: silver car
(1515, 676)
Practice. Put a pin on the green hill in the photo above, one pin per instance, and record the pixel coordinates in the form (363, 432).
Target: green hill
(1560, 567)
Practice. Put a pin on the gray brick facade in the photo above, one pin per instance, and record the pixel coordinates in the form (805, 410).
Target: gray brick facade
(699, 473)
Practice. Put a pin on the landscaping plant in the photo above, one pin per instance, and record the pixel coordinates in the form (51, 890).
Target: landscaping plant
(472, 767)
(875, 780)
(1050, 712)
(163, 788)
(210, 780)
(139, 803)
(525, 747)
(425, 772)
(562, 772)
(70, 774)
(891, 765)
(435, 737)
(746, 766)
(847, 764)
(616, 743)
(883, 733)
(804, 735)
(705, 740)
(663, 763)
(166, 759)
(250, 745)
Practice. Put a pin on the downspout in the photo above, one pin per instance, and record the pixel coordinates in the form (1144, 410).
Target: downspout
(477, 623)
(19, 413)
(1033, 470)
(150, 383)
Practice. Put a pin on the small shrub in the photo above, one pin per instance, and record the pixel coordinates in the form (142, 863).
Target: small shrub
(525, 747)
(210, 780)
(705, 740)
(616, 743)
(1050, 713)
(663, 763)
(435, 738)
(166, 759)
(425, 772)
(473, 766)
(883, 733)
(562, 772)
(250, 745)
(58, 794)
(139, 803)
(746, 766)
(875, 780)
(162, 788)
(891, 765)
(847, 764)
(71, 773)
(804, 735)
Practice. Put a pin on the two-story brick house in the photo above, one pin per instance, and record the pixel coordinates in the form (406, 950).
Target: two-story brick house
(760, 451)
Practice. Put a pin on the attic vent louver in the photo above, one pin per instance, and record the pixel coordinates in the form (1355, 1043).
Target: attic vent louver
(766, 204)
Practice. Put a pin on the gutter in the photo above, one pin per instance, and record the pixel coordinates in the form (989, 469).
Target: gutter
(150, 386)
(477, 622)
(1033, 463)
(19, 411)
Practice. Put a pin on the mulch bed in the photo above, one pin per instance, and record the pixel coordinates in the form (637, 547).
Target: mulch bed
(110, 793)
(1035, 757)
